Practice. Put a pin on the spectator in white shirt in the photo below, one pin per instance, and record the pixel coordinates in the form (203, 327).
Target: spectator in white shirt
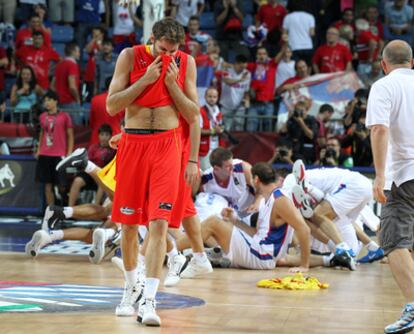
(235, 94)
(300, 27)
(285, 68)
(182, 10)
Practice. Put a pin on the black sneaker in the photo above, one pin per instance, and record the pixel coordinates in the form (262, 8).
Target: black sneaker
(78, 159)
(343, 259)
(53, 215)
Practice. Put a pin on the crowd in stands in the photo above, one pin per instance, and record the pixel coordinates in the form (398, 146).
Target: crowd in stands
(250, 52)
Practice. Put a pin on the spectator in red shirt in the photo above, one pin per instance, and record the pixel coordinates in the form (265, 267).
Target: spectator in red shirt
(262, 89)
(324, 115)
(347, 19)
(302, 72)
(67, 82)
(272, 15)
(92, 48)
(99, 116)
(100, 154)
(375, 25)
(195, 40)
(332, 56)
(38, 56)
(24, 36)
(366, 46)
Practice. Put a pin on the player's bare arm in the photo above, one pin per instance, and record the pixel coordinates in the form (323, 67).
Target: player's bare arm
(247, 170)
(283, 209)
(120, 95)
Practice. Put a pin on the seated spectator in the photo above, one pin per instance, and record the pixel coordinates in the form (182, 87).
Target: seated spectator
(100, 154)
(195, 40)
(99, 116)
(24, 35)
(235, 99)
(67, 82)
(302, 130)
(398, 18)
(93, 47)
(347, 37)
(324, 116)
(229, 26)
(62, 11)
(24, 94)
(332, 56)
(347, 20)
(38, 56)
(125, 19)
(375, 25)
(285, 67)
(367, 46)
(332, 156)
(211, 123)
(373, 75)
(262, 90)
(300, 27)
(183, 10)
(283, 153)
(105, 65)
(302, 72)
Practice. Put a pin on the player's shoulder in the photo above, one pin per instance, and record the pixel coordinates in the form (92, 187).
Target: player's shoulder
(207, 176)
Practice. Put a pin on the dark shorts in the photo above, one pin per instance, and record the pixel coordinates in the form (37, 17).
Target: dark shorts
(90, 183)
(46, 170)
(397, 218)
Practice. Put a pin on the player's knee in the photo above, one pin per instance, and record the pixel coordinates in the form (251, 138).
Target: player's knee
(158, 229)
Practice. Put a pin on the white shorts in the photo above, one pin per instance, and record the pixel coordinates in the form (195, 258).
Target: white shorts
(240, 253)
(351, 197)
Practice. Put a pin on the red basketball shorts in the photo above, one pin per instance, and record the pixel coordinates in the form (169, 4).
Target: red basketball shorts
(148, 169)
(184, 205)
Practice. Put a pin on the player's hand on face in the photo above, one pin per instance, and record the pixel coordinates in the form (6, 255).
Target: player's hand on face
(153, 71)
(191, 174)
(172, 74)
(378, 190)
(114, 141)
(295, 270)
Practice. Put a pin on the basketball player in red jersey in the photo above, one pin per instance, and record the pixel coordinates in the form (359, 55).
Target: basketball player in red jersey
(149, 82)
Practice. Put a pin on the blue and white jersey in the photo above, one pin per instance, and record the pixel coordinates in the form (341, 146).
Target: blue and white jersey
(270, 242)
(237, 192)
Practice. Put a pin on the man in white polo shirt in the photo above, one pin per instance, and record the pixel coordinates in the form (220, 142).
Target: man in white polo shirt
(390, 116)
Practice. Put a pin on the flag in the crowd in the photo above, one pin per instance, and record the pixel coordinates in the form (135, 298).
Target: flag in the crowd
(336, 89)
(205, 75)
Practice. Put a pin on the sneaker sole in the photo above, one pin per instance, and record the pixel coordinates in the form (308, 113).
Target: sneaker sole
(30, 248)
(152, 322)
(63, 161)
(97, 251)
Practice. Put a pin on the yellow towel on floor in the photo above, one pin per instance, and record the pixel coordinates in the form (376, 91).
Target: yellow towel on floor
(296, 282)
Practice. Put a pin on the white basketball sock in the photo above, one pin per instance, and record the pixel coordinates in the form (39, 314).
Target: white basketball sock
(90, 167)
(68, 211)
(131, 276)
(151, 287)
(200, 257)
(372, 246)
(56, 235)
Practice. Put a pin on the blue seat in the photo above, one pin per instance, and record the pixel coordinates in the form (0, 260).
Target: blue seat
(60, 48)
(248, 7)
(207, 21)
(62, 34)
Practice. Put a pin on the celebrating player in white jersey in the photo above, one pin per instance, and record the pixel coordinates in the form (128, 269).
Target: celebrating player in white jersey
(230, 178)
(265, 246)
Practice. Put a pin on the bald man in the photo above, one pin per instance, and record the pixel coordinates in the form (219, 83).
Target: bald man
(390, 117)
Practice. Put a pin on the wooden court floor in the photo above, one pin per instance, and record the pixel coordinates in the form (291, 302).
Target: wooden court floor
(363, 301)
